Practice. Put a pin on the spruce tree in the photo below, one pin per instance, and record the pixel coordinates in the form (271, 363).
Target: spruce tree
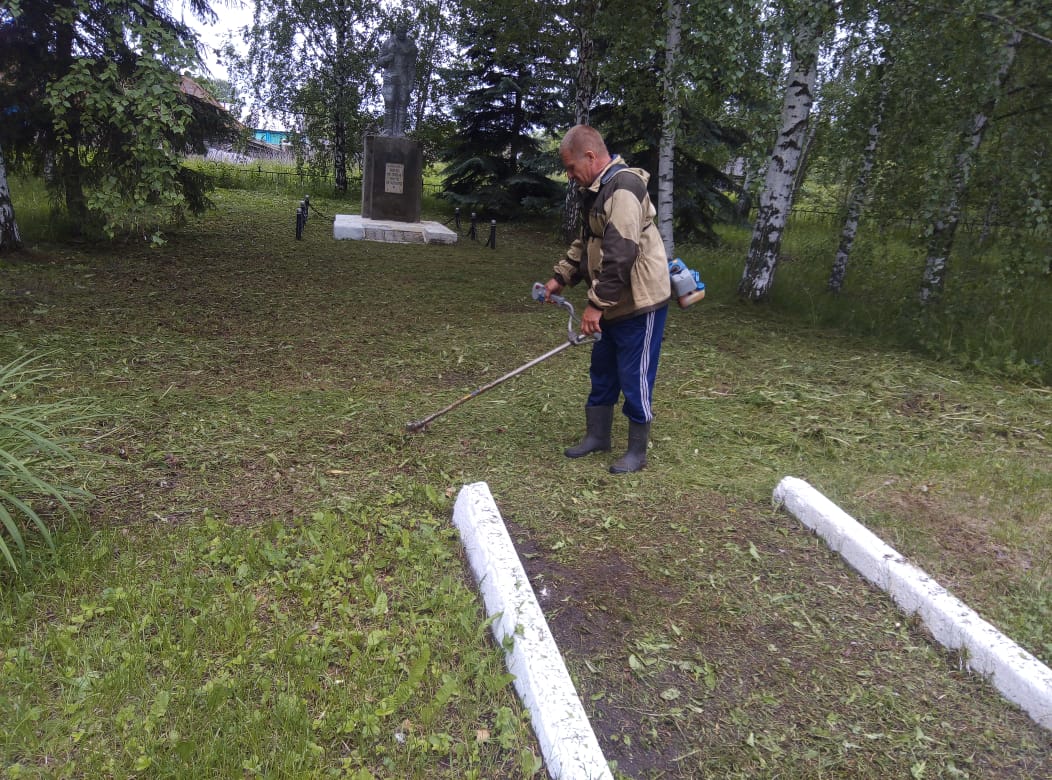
(512, 73)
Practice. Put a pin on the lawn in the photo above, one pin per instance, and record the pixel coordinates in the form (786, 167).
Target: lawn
(266, 582)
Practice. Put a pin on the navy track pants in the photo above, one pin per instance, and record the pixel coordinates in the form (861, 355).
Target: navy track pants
(626, 361)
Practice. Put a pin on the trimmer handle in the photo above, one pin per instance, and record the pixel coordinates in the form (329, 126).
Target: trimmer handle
(572, 336)
(538, 295)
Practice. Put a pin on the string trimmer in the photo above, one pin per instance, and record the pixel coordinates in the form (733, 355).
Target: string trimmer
(573, 339)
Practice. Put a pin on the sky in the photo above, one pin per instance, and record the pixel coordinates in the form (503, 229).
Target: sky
(233, 14)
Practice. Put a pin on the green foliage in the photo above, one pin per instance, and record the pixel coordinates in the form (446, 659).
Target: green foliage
(137, 180)
(312, 63)
(436, 21)
(711, 85)
(35, 451)
(512, 71)
(433, 134)
(94, 98)
(270, 176)
(700, 187)
(938, 66)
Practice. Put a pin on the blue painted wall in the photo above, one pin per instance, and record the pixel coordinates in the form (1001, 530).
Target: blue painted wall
(275, 137)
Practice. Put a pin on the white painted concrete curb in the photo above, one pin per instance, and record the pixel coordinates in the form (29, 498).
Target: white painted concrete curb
(1018, 675)
(568, 744)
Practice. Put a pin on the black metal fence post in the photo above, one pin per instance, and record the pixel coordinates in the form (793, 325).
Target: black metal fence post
(492, 240)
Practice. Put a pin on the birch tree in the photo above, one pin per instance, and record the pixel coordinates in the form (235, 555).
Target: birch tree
(433, 19)
(756, 107)
(312, 63)
(860, 190)
(944, 226)
(678, 127)
(10, 238)
(1007, 189)
(581, 16)
(669, 114)
(808, 25)
(585, 81)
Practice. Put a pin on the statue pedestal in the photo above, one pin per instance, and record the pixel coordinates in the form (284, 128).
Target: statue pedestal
(392, 187)
(391, 231)
(392, 179)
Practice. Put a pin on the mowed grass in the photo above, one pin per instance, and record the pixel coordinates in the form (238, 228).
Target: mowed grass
(267, 583)
(330, 645)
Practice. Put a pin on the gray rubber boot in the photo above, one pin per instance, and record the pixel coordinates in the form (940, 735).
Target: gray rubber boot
(636, 457)
(599, 420)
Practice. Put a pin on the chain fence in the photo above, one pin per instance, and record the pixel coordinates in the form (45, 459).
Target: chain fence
(231, 175)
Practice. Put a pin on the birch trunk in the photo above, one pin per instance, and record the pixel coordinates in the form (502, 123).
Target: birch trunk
(670, 110)
(805, 155)
(582, 111)
(339, 124)
(944, 226)
(585, 65)
(743, 205)
(339, 154)
(776, 198)
(428, 59)
(857, 199)
(10, 238)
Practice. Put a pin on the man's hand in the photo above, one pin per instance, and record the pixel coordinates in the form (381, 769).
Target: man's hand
(590, 320)
(552, 287)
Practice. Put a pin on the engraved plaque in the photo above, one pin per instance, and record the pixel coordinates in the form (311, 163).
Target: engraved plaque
(394, 178)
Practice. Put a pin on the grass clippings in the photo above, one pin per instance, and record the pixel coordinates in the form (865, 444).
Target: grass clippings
(261, 513)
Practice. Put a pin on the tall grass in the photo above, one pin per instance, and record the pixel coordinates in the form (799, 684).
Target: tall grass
(283, 177)
(42, 220)
(39, 218)
(994, 315)
(34, 453)
(272, 176)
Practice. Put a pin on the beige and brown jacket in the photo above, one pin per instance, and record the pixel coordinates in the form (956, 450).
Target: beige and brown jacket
(620, 253)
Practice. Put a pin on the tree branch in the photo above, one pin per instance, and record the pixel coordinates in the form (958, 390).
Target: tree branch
(991, 17)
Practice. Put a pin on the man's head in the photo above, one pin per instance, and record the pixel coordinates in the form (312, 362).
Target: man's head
(583, 154)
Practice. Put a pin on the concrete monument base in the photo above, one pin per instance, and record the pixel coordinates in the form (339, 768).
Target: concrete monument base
(392, 179)
(358, 228)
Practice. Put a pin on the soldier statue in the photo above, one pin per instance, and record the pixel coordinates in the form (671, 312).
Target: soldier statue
(398, 60)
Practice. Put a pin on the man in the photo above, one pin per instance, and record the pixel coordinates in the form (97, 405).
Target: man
(622, 258)
(398, 59)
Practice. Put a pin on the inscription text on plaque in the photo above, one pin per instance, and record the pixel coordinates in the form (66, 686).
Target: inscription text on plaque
(394, 178)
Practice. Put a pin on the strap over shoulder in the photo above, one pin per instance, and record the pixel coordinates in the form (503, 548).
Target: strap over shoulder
(613, 169)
